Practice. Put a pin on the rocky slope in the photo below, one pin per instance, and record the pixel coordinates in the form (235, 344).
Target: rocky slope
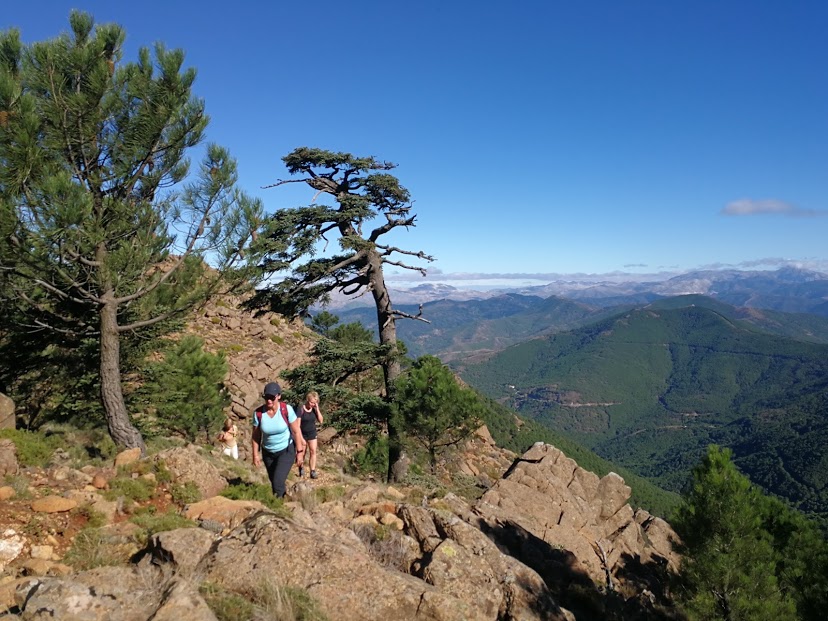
(140, 539)
(548, 540)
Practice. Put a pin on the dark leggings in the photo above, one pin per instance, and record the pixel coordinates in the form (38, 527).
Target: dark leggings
(278, 466)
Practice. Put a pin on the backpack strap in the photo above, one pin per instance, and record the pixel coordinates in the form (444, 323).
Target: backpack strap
(282, 409)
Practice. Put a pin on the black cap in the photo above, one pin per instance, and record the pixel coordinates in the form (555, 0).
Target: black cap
(272, 388)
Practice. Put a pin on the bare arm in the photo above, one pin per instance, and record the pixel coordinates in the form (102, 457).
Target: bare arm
(296, 431)
(319, 418)
(257, 439)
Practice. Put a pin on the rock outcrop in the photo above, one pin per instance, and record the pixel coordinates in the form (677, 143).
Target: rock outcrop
(7, 419)
(258, 349)
(545, 538)
(585, 520)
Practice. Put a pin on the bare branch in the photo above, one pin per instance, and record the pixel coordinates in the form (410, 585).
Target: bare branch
(282, 182)
(414, 268)
(404, 315)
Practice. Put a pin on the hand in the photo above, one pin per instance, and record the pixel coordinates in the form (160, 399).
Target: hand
(256, 460)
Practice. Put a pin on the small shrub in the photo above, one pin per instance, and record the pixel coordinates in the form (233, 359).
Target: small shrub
(372, 459)
(235, 348)
(266, 602)
(327, 494)
(94, 519)
(385, 545)
(275, 321)
(90, 549)
(287, 603)
(256, 491)
(151, 523)
(185, 493)
(20, 484)
(466, 487)
(277, 339)
(33, 449)
(162, 473)
(136, 490)
(225, 605)
(215, 320)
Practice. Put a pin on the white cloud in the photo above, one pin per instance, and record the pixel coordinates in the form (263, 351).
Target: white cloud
(772, 206)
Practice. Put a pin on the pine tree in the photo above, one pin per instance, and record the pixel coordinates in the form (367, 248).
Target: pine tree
(433, 408)
(728, 571)
(105, 232)
(187, 388)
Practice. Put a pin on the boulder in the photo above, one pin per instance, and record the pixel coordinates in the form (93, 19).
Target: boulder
(111, 594)
(127, 457)
(337, 572)
(187, 465)
(182, 548)
(229, 513)
(8, 458)
(53, 504)
(7, 419)
(584, 521)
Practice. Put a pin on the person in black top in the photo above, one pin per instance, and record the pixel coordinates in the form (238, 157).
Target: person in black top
(309, 415)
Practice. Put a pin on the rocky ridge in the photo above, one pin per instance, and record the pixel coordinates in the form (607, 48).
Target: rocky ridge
(545, 538)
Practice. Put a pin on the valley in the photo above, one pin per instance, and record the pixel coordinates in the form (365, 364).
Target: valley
(649, 383)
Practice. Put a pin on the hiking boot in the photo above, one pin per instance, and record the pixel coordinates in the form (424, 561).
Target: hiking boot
(313, 474)
(302, 471)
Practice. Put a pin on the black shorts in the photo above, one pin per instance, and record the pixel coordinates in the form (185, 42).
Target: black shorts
(309, 434)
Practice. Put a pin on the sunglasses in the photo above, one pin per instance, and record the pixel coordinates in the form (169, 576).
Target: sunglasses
(270, 397)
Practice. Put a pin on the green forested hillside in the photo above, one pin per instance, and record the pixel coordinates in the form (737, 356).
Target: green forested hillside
(651, 388)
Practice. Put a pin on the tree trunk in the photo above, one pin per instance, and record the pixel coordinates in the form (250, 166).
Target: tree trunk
(397, 460)
(122, 431)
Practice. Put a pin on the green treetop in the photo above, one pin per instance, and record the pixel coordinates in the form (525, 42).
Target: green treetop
(106, 231)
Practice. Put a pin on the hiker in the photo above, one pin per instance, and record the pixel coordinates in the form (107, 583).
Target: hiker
(276, 431)
(228, 438)
(309, 415)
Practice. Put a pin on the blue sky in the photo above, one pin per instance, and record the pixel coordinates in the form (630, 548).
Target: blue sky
(549, 138)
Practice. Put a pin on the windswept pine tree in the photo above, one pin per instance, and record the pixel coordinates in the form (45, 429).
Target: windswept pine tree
(106, 231)
(368, 204)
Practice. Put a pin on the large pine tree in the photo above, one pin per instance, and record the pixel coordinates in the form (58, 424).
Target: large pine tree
(105, 231)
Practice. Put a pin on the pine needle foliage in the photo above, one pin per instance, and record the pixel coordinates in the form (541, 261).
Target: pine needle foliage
(106, 230)
(435, 410)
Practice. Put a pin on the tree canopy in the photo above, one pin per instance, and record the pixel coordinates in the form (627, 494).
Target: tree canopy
(106, 231)
(435, 410)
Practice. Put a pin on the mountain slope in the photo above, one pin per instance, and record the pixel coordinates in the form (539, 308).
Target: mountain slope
(650, 388)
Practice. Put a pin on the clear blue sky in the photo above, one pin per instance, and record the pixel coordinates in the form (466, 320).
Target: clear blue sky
(540, 137)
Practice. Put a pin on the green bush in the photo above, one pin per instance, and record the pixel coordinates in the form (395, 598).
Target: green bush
(187, 390)
(137, 490)
(152, 523)
(227, 606)
(33, 449)
(90, 549)
(185, 493)
(372, 458)
(256, 491)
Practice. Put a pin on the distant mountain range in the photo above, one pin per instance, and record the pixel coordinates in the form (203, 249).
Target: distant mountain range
(458, 328)
(788, 289)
